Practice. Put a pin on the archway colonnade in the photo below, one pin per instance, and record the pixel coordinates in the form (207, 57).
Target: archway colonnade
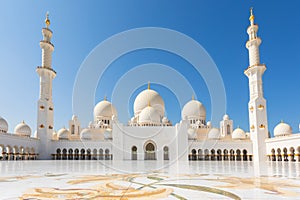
(8, 152)
(82, 154)
(220, 154)
(285, 154)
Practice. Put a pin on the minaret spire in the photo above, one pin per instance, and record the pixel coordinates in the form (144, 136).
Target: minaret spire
(258, 121)
(47, 20)
(251, 18)
(45, 103)
(253, 42)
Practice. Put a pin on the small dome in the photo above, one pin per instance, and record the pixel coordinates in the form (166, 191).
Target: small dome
(193, 110)
(63, 134)
(23, 129)
(238, 134)
(214, 134)
(225, 117)
(165, 120)
(209, 123)
(104, 109)
(3, 125)
(86, 134)
(74, 118)
(149, 115)
(147, 97)
(282, 129)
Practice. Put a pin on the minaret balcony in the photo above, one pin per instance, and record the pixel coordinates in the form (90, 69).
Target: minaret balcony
(47, 29)
(47, 42)
(47, 68)
(253, 68)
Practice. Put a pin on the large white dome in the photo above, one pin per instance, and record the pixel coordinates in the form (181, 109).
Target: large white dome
(238, 134)
(149, 115)
(282, 129)
(147, 97)
(63, 134)
(3, 125)
(104, 109)
(193, 110)
(23, 129)
(214, 134)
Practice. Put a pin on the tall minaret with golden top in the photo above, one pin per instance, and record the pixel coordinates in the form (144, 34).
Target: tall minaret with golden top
(45, 103)
(257, 104)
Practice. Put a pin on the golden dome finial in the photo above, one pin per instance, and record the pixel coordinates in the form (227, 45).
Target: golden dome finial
(193, 97)
(251, 18)
(105, 98)
(47, 20)
(148, 85)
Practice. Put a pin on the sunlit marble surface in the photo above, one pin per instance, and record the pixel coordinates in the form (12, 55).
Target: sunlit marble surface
(148, 179)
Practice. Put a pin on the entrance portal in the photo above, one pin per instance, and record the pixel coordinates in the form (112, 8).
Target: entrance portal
(150, 152)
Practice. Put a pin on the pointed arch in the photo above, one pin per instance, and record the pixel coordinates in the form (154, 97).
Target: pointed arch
(166, 152)
(133, 153)
(150, 150)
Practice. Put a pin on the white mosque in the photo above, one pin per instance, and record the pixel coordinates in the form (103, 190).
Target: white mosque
(149, 135)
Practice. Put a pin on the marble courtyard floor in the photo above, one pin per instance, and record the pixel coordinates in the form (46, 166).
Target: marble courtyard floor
(64, 179)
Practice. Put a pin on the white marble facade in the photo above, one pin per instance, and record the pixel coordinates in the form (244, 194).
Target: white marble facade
(149, 134)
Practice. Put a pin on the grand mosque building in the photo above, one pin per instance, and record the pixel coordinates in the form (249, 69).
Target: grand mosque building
(149, 135)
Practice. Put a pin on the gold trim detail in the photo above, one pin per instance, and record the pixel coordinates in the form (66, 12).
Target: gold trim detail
(251, 108)
(261, 107)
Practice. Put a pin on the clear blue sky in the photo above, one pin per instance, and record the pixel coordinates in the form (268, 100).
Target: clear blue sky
(219, 26)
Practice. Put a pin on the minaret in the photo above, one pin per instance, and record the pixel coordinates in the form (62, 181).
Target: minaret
(45, 104)
(257, 104)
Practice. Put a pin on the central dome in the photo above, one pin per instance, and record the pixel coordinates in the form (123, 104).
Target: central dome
(148, 97)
